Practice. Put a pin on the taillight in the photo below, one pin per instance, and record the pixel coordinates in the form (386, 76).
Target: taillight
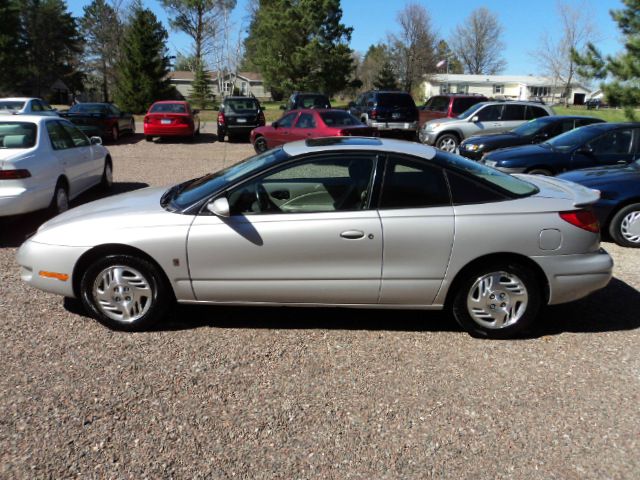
(344, 133)
(221, 119)
(147, 119)
(373, 114)
(584, 219)
(261, 119)
(14, 174)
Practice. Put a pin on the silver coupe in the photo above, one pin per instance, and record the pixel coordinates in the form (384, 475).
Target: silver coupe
(348, 222)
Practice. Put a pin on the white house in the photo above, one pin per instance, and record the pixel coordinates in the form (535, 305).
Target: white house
(247, 83)
(514, 87)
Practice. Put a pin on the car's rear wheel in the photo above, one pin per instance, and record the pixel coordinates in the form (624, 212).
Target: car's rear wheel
(497, 301)
(448, 142)
(220, 135)
(125, 292)
(540, 171)
(148, 138)
(60, 200)
(260, 145)
(107, 175)
(132, 127)
(625, 226)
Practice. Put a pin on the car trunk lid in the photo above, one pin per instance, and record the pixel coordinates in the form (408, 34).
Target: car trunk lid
(553, 187)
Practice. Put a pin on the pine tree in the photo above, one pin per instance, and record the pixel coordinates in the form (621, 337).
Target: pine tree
(144, 65)
(11, 46)
(386, 78)
(624, 68)
(200, 94)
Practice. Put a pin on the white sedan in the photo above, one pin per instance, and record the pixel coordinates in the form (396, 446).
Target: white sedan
(46, 162)
(27, 106)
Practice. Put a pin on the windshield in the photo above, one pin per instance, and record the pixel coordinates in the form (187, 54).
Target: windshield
(470, 111)
(17, 134)
(505, 181)
(192, 191)
(168, 108)
(572, 139)
(243, 105)
(532, 126)
(88, 108)
(11, 105)
(339, 119)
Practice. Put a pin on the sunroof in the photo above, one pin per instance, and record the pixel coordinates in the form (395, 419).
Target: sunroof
(332, 141)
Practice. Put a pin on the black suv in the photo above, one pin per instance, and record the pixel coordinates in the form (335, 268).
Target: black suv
(238, 116)
(387, 111)
(306, 100)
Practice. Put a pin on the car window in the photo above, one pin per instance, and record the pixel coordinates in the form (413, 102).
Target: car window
(467, 191)
(490, 113)
(11, 105)
(60, 139)
(437, 104)
(168, 108)
(326, 184)
(306, 120)
(462, 104)
(35, 106)
(395, 100)
(78, 138)
(535, 112)
(46, 107)
(88, 108)
(336, 118)
(114, 110)
(17, 134)
(413, 184)
(241, 105)
(313, 101)
(581, 122)
(287, 120)
(512, 113)
(612, 143)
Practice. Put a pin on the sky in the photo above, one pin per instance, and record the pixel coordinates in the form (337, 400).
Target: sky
(524, 22)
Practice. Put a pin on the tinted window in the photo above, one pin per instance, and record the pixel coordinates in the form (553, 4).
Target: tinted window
(306, 120)
(437, 104)
(581, 122)
(471, 110)
(78, 138)
(88, 108)
(287, 120)
(313, 101)
(114, 110)
(570, 140)
(168, 108)
(466, 191)
(395, 100)
(243, 105)
(513, 113)
(17, 134)
(490, 113)
(531, 127)
(535, 112)
(36, 106)
(316, 185)
(413, 184)
(339, 119)
(462, 104)
(60, 140)
(612, 143)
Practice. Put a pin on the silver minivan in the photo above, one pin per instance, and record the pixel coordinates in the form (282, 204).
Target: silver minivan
(481, 118)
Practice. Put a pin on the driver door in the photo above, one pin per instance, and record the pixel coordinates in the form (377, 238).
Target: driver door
(282, 134)
(303, 234)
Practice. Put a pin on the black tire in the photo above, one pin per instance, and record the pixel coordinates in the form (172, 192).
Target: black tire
(153, 303)
(132, 128)
(148, 138)
(220, 135)
(540, 171)
(107, 175)
(260, 144)
(60, 201)
(624, 227)
(448, 142)
(469, 292)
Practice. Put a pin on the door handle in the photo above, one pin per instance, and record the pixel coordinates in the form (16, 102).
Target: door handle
(352, 234)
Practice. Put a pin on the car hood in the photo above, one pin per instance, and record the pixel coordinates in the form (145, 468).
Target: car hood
(525, 151)
(606, 174)
(443, 120)
(497, 139)
(107, 220)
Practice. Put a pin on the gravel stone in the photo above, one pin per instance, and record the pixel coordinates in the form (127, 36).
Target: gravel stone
(257, 393)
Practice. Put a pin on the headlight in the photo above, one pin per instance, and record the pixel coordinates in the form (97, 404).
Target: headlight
(431, 126)
(490, 163)
(472, 147)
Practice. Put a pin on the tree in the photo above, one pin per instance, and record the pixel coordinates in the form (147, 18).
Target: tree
(144, 64)
(451, 63)
(185, 62)
(52, 44)
(413, 48)
(370, 67)
(624, 68)
(386, 79)
(101, 30)
(200, 94)
(11, 45)
(301, 45)
(477, 42)
(554, 54)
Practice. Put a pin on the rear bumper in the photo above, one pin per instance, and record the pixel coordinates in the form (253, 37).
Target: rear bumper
(572, 277)
(168, 131)
(237, 129)
(398, 126)
(22, 200)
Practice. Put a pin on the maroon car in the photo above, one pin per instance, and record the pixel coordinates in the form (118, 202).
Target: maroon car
(448, 105)
(309, 123)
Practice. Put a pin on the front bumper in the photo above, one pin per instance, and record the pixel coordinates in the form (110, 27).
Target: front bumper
(34, 258)
(397, 126)
(572, 277)
(427, 137)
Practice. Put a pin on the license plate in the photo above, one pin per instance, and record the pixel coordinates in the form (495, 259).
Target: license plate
(242, 120)
(165, 121)
(395, 115)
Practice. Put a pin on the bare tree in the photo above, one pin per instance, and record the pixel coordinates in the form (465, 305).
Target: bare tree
(227, 50)
(477, 42)
(413, 48)
(553, 56)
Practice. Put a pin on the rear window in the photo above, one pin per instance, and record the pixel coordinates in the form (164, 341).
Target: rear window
(437, 104)
(17, 134)
(168, 108)
(461, 104)
(11, 105)
(248, 105)
(313, 101)
(395, 100)
(88, 108)
(339, 119)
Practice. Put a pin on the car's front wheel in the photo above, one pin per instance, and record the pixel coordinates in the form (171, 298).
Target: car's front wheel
(497, 301)
(447, 142)
(60, 200)
(125, 292)
(107, 175)
(625, 226)
(260, 145)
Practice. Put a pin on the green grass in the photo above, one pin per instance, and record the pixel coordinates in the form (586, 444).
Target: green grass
(607, 114)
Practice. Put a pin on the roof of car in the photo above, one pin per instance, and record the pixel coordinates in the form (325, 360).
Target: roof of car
(18, 99)
(612, 126)
(359, 143)
(170, 101)
(26, 118)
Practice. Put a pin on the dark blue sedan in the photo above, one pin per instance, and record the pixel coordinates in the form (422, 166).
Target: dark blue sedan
(619, 206)
(594, 145)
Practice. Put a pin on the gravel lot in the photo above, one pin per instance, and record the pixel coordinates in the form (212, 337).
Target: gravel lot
(309, 393)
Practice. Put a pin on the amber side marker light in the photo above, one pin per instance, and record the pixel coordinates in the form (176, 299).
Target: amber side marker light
(60, 276)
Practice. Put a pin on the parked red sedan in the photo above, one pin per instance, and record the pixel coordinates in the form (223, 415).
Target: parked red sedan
(302, 124)
(171, 119)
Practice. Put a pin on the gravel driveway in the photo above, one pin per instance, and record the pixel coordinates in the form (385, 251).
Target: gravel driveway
(258, 393)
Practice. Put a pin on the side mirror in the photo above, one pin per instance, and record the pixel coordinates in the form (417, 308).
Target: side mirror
(96, 141)
(283, 107)
(475, 119)
(585, 150)
(219, 207)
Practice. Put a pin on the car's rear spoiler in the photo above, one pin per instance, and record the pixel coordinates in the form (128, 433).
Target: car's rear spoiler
(582, 196)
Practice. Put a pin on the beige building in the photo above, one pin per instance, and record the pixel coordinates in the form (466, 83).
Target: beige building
(247, 83)
(513, 87)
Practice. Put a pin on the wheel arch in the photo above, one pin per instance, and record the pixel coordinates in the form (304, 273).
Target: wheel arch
(99, 251)
(620, 206)
(493, 258)
(456, 133)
